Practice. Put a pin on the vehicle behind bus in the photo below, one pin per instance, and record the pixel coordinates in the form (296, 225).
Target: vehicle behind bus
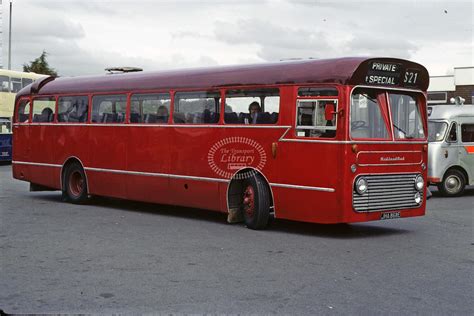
(10, 83)
(451, 148)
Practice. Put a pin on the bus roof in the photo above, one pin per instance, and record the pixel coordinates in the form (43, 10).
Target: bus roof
(349, 70)
(20, 74)
(450, 111)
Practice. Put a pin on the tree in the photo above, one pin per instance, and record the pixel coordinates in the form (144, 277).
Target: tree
(40, 66)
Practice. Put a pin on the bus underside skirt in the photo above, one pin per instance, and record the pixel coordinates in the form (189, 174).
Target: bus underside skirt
(38, 187)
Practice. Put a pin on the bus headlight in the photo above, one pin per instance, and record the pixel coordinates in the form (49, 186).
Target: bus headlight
(419, 182)
(361, 186)
(417, 198)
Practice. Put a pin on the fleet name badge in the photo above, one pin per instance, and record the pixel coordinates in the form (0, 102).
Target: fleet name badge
(398, 158)
(380, 73)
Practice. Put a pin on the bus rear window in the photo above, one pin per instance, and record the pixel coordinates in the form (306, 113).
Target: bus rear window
(23, 111)
(366, 115)
(43, 109)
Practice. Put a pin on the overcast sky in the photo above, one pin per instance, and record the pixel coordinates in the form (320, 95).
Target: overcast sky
(84, 37)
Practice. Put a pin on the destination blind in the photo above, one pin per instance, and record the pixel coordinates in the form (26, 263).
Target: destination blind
(391, 72)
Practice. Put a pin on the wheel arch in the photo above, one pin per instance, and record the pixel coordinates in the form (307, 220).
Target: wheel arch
(66, 163)
(458, 168)
(234, 188)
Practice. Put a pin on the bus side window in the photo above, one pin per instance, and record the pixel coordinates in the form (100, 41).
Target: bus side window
(43, 109)
(260, 106)
(73, 109)
(467, 133)
(316, 118)
(452, 136)
(15, 85)
(23, 111)
(196, 108)
(26, 81)
(4, 84)
(109, 108)
(150, 108)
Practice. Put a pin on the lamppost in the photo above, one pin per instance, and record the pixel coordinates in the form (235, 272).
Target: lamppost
(10, 38)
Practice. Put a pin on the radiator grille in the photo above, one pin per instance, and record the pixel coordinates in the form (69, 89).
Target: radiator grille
(387, 192)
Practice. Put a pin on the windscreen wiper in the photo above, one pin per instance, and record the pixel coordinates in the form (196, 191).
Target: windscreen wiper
(404, 133)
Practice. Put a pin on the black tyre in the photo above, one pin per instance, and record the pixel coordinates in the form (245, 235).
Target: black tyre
(453, 183)
(255, 202)
(75, 184)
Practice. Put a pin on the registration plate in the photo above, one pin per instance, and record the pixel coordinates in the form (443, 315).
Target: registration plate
(390, 215)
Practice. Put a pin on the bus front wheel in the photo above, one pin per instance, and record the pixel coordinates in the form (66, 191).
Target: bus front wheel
(453, 183)
(75, 184)
(255, 202)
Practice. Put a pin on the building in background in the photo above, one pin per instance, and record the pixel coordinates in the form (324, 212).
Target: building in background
(443, 88)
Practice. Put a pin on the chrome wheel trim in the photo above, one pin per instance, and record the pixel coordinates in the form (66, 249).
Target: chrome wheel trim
(452, 184)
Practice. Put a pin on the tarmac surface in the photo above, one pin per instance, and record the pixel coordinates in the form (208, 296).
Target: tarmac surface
(115, 256)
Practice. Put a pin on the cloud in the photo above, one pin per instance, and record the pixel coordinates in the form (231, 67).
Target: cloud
(274, 42)
(84, 37)
(387, 46)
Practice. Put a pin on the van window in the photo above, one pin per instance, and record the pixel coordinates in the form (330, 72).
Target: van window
(452, 136)
(23, 111)
(43, 109)
(150, 108)
(109, 108)
(73, 109)
(436, 131)
(467, 133)
(261, 106)
(196, 108)
(316, 118)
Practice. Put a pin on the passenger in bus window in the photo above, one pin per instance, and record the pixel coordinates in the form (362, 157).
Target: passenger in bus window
(46, 115)
(162, 114)
(254, 111)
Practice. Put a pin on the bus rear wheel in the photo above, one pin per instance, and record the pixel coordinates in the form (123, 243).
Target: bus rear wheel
(453, 183)
(255, 202)
(75, 184)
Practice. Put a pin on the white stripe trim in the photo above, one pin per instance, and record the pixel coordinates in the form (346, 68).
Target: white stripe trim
(176, 176)
(36, 164)
(155, 174)
(302, 187)
(154, 125)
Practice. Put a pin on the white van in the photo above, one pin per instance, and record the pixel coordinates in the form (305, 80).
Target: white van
(451, 147)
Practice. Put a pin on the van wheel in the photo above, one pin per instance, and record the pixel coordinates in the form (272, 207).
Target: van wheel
(453, 183)
(75, 184)
(255, 202)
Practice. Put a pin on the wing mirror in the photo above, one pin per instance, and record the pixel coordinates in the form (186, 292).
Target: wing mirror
(329, 111)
